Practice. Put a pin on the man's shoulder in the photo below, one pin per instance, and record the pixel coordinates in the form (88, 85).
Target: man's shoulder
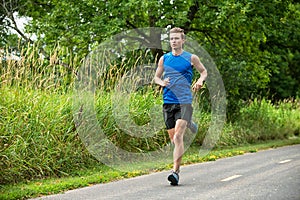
(188, 53)
(167, 54)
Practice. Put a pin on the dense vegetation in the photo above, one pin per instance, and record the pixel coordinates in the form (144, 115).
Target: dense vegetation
(38, 133)
(254, 45)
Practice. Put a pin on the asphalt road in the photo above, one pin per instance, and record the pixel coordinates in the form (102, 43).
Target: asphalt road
(265, 175)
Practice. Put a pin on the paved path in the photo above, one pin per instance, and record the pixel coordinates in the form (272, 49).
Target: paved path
(265, 175)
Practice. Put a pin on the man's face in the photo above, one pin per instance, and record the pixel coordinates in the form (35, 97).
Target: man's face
(176, 40)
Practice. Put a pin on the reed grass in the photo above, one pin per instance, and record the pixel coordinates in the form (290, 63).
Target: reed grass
(38, 134)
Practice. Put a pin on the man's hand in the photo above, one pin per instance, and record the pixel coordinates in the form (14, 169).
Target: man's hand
(165, 82)
(198, 85)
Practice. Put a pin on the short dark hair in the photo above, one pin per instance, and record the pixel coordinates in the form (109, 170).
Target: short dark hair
(178, 30)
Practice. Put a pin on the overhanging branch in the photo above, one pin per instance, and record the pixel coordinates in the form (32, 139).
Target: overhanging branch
(8, 12)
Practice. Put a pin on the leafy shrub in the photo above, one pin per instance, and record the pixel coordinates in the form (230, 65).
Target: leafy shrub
(262, 120)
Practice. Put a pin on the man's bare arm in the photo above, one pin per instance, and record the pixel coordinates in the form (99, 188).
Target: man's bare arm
(159, 73)
(202, 70)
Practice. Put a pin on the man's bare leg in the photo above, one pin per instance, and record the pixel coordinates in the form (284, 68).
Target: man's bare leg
(180, 128)
(171, 133)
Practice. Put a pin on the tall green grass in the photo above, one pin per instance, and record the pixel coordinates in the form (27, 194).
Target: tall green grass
(38, 135)
(127, 125)
(267, 121)
(34, 71)
(261, 120)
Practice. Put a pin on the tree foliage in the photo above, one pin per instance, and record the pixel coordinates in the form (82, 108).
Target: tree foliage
(255, 43)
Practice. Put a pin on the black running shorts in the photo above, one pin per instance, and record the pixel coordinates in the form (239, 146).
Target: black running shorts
(172, 112)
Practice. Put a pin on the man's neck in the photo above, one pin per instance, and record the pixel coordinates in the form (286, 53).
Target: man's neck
(177, 52)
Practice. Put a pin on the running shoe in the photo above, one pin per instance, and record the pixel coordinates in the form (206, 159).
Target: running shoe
(173, 178)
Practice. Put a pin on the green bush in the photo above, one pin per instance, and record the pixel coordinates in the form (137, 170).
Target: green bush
(262, 120)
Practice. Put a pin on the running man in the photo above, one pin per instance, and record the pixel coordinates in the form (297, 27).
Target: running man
(175, 73)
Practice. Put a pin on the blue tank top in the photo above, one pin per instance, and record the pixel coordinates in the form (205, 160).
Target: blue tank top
(179, 70)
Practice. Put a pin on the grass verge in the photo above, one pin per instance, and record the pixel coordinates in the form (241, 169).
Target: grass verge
(104, 174)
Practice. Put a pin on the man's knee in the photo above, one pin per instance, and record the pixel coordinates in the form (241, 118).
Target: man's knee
(179, 130)
(180, 125)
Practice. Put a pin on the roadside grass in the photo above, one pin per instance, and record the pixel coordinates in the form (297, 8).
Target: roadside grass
(104, 174)
(41, 152)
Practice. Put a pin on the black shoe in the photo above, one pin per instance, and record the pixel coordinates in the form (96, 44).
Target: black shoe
(193, 127)
(173, 178)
